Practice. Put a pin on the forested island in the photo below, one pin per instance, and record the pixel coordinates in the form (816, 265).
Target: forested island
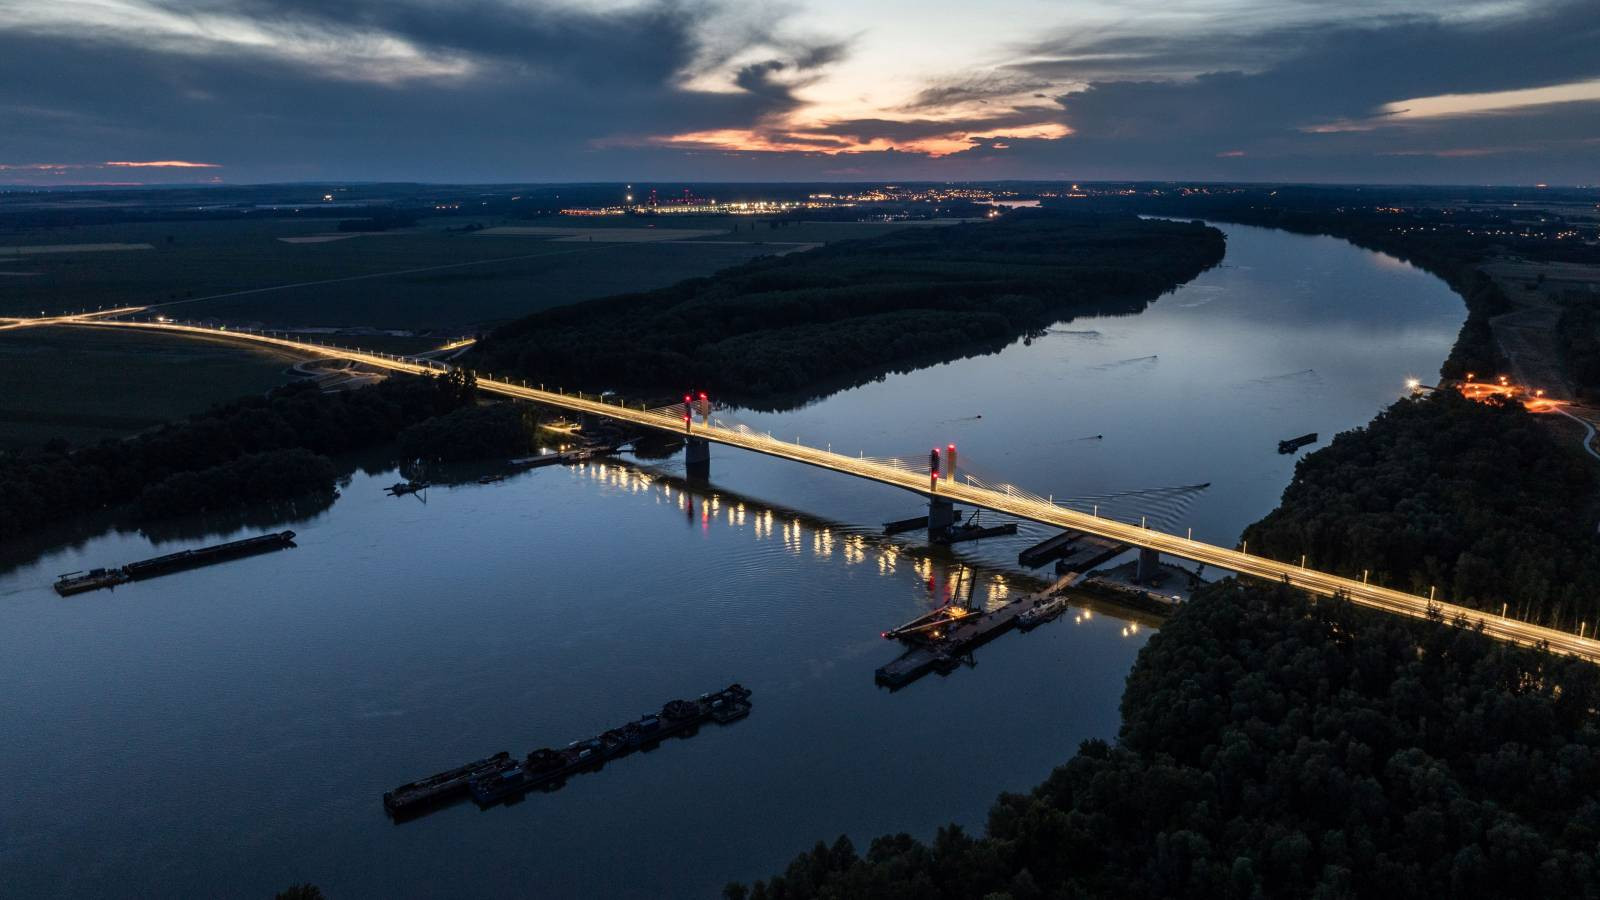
(779, 329)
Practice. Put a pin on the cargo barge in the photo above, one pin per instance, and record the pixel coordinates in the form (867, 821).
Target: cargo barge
(94, 579)
(445, 786)
(498, 778)
(205, 556)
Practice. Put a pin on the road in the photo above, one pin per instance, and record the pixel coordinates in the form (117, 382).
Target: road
(917, 481)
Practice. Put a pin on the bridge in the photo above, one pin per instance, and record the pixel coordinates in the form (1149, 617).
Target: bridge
(941, 496)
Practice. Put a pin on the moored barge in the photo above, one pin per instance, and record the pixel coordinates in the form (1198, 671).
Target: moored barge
(435, 789)
(498, 778)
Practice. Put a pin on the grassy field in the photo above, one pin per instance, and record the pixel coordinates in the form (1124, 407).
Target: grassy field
(433, 276)
(83, 384)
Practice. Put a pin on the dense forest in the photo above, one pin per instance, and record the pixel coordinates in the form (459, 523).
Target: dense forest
(1276, 747)
(471, 432)
(1484, 501)
(253, 478)
(194, 464)
(766, 331)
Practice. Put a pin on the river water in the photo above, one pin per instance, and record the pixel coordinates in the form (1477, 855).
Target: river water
(229, 731)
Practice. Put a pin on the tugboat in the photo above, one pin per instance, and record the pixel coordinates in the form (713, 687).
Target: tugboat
(94, 579)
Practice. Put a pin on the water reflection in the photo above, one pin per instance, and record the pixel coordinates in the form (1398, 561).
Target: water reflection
(947, 575)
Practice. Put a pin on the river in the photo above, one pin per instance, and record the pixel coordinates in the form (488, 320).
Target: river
(229, 731)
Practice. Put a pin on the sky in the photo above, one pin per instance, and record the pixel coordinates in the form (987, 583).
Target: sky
(253, 91)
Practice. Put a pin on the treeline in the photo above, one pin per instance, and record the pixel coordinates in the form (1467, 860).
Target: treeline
(1579, 332)
(777, 326)
(1482, 501)
(1276, 747)
(471, 432)
(253, 478)
(53, 483)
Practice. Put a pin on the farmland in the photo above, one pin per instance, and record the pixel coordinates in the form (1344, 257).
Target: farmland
(86, 384)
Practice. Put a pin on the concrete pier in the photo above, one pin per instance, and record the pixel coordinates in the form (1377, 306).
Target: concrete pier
(697, 458)
(941, 515)
(1149, 566)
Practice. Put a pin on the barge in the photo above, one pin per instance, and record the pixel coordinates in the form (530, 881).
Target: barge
(499, 778)
(448, 785)
(205, 556)
(94, 579)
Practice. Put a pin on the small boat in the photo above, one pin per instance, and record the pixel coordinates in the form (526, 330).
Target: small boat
(1292, 444)
(402, 488)
(1044, 612)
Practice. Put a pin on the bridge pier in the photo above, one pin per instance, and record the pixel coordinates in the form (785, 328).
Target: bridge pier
(941, 515)
(697, 458)
(1149, 566)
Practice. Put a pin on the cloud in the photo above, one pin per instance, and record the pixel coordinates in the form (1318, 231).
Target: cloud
(233, 81)
(492, 90)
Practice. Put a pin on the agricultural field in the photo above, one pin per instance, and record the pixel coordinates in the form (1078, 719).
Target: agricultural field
(400, 291)
(436, 276)
(84, 384)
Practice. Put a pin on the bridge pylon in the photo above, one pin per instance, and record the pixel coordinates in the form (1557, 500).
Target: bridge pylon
(1149, 566)
(697, 458)
(941, 515)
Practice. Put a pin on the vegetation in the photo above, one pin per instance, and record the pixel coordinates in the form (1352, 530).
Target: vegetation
(54, 483)
(471, 432)
(254, 478)
(1274, 747)
(1483, 501)
(769, 329)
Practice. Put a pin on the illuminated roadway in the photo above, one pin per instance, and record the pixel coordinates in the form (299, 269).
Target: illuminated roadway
(917, 481)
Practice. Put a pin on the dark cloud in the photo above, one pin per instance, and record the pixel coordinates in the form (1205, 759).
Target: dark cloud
(981, 88)
(539, 90)
(905, 131)
(1330, 75)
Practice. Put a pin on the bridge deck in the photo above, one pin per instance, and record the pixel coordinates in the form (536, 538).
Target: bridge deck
(1320, 583)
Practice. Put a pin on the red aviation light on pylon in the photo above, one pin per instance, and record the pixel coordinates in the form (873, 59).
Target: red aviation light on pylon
(688, 408)
(950, 461)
